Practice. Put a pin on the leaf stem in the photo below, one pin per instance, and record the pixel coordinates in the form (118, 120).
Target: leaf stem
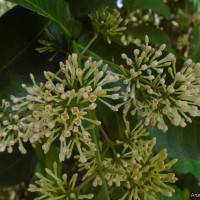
(110, 143)
(88, 45)
(105, 135)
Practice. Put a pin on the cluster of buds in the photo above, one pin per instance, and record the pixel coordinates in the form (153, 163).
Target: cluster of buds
(57, 188)
(107, 22)
(146, 179)
(135, 168)
(156, 89)
(60, 108)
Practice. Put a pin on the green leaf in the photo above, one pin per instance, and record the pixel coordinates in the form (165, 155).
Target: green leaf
(156, 36)
(196, 169)
(117, 193)
(112, 121)
(183, 167)
(195, 50)
(188, 166)
(55, 11)
(51, 157)
(19, 34)
(47, 160)
(81, 8)
(20, 28)
(195, 47)
(156, 5)
(41, 161)
(100, 195)
(196, 6)
(182, 143)
(109, 53)
(15, 167)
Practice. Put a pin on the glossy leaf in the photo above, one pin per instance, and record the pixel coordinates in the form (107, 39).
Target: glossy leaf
(47, 160)
(183, 167)
(195, 50)
(20, 28)
(81, 8)
(109, 53)
(188, 166)
(182, 143)
(15, 167)
(158, 6)
(156, 36)
(56, 11)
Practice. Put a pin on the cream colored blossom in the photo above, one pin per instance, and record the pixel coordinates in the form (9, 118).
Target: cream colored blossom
(59, 108)
(158, 88)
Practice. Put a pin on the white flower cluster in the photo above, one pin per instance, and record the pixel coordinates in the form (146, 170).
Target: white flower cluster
(53, 188)
(107, 22)
(156, 87)
(60, 108)
(134, 168)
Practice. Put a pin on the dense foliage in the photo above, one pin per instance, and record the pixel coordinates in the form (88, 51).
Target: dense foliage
(99, 99)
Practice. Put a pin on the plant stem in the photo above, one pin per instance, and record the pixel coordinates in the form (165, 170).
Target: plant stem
(88, 45)
(105, 135)
(100, 165)
(110, 143)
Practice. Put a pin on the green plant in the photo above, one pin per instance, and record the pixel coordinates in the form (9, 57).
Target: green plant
(97, 124)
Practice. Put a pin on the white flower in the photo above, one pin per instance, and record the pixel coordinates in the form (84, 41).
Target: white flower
(59, 108)
(151, 78)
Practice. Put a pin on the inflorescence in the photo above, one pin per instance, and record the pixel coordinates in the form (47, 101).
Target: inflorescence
(157, 88)
(54, 188)
(62, 110)
(133, 166)
(59, 108)
(107, 22)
